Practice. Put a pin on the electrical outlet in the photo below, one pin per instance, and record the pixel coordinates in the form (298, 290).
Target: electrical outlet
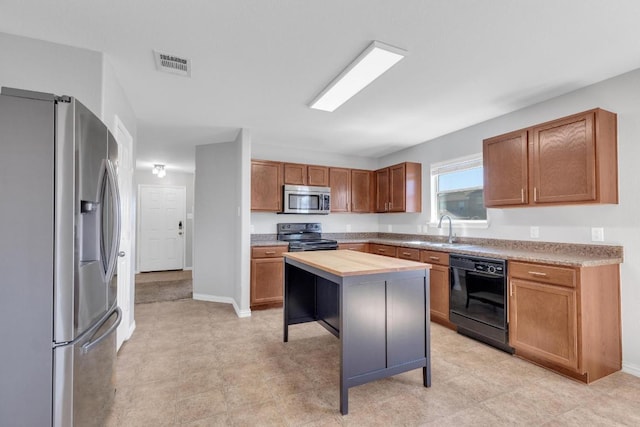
(534, 232)
(253, 229)
(389, 228)
(597, 234)
(348, 227)
(425, 228)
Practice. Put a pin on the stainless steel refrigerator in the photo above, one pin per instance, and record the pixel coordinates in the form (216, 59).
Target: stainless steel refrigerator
(59, 234)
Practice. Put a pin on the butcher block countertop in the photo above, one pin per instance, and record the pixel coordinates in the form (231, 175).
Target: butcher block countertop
(345, 263)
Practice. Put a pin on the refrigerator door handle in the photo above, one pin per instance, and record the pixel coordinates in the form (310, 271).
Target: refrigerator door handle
(113, 256)
(86, 348)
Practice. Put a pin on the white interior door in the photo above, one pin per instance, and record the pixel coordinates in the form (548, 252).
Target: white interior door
(125, 268)
(161, 228)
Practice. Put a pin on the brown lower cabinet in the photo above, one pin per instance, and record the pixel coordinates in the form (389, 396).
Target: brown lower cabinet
(378, 249)
(267, 276)
(360, 247)
(439, 286)
(567, 319)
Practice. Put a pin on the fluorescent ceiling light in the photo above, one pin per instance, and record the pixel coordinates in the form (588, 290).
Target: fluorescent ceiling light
(368, 66)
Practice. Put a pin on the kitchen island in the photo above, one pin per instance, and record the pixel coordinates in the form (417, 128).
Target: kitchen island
(377, 306)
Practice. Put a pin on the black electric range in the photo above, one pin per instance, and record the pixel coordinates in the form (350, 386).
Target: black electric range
(305, 237)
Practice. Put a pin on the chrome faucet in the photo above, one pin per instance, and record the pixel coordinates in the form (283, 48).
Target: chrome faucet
(450, 240)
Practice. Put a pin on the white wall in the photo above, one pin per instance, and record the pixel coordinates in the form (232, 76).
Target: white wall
(243, 256)
(216, 238)
(265, 222)
(558, 224)
(49, 67)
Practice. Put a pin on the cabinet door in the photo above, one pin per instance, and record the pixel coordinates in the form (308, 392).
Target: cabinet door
(564, 161)
(397, 188)
(361, 194)
(406, 314)
(339, 181)
(382, 190)
(266, 186)
(318, 175)
(295, 174)
(386, 250)
(506, 169)
(439, 292)
(543, 322)
(267, 281)
(408, 253)
(360, 247)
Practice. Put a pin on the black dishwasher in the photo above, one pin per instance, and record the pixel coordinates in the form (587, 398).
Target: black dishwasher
(478, 299)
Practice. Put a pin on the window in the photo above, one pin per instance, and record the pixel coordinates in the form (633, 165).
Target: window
(457, 190)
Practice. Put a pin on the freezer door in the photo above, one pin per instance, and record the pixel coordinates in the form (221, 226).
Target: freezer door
(84, 381)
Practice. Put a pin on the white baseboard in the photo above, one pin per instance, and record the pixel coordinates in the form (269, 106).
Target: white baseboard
(188, 268)
(132, 327)
(631, 369)
(224, 300)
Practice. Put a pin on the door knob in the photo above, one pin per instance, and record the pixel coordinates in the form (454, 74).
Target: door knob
(121, 254)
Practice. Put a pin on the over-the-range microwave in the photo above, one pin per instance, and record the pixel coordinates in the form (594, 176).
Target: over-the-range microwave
(302, 199)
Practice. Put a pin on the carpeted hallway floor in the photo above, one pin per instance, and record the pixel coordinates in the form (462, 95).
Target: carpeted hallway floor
(163, 286)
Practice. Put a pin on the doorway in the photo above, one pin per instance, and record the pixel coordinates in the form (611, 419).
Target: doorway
(161, 227)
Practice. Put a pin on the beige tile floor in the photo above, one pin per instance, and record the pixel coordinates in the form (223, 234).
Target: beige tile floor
(195, 363)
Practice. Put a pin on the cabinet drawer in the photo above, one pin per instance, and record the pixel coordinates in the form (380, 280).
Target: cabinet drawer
(434, 257)
(361, 247)
(409, 253)
(268, 251)
(563, 276)
(382, 249)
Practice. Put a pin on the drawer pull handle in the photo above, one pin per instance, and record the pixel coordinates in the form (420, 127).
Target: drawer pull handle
(435, 258)
(382, 250)
(537, 273)
(269, 252)
(406, 253)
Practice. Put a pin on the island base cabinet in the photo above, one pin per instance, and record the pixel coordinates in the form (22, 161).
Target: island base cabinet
(380, 318)
(566, 318)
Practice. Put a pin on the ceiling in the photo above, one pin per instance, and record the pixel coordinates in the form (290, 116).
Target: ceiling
(258, 63)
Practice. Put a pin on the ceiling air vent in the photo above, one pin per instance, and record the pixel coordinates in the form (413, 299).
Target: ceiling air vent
(172, 64)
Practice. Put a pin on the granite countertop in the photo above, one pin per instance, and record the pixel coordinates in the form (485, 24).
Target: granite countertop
(566, 254)
(552, 253)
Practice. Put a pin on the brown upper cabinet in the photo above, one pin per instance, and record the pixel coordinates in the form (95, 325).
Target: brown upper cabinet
(361, 191)
(266, 186)
(399, 188)
(300, 174)
(572, 160)
(351, 190)
(340, 183)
